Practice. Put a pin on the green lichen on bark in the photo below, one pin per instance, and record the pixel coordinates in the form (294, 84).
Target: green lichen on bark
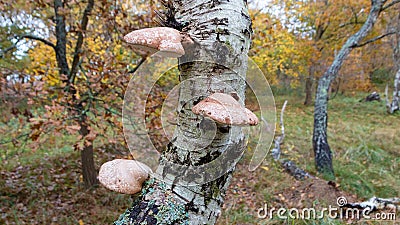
(172, 213)
(165, 211)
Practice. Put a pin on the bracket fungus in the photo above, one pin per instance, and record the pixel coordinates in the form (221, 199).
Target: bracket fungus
(164, 41)
(225, 109)
(123, 175)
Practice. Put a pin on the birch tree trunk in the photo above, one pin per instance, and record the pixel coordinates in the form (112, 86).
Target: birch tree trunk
(217, 62)
(395, 104)
(322, 151)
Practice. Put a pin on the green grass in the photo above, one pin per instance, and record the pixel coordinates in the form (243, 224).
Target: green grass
(45, 186)
(365, 142)
(22, 153)
(363, 138)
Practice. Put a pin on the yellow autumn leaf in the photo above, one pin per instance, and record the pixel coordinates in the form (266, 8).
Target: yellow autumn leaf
(266, 168)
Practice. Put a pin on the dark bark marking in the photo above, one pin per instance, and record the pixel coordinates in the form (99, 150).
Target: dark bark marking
(222, 52)
(222, 21)
(246, 33)
(224, 129)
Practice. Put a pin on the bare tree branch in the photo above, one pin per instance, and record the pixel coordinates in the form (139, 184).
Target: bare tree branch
(374, 39)
(27, 36)
(392, 3)
(33, 37)
(79, 43)
(142, 60)
(3, 52)
(351, 23)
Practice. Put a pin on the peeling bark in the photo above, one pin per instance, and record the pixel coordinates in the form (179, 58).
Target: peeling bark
(217, 62)
(322, 151)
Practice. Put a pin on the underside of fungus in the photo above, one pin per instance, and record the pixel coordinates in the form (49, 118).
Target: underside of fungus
(164, 41)
(224, 109)
(123, 176)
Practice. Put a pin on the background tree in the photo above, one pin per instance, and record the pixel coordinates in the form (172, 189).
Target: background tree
(322, 151)
(281, 55)
(89, 82)
(395, 104)
(320, 29)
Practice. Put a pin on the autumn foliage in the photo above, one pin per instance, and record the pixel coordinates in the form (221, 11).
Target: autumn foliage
(293, 42)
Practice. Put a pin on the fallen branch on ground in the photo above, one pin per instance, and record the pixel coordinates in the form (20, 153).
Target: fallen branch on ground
(375, 203)
(276, 151)
(374, 96)
(289, 166)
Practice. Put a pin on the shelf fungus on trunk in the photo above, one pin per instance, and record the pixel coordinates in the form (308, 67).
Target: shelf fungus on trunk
(225, 109)
(123, 175)
(165, 41)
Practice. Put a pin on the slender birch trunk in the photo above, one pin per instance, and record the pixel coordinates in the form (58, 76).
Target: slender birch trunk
(395, 104)
(322, 151)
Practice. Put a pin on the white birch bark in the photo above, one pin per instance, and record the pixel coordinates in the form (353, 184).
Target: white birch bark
(395, 104)
(217, 62)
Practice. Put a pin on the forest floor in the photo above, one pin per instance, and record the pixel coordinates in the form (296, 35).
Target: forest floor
(45, 186)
